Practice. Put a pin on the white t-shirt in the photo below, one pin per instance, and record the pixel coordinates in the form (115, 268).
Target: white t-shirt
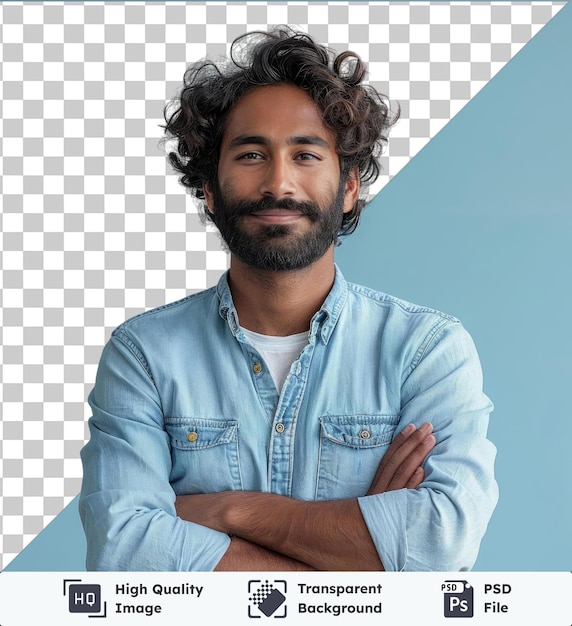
(278, 352)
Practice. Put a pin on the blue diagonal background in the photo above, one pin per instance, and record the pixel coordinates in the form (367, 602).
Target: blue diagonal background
(479, 224)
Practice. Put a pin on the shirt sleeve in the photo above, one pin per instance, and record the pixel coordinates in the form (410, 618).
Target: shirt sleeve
(439, 526)
(126, 502)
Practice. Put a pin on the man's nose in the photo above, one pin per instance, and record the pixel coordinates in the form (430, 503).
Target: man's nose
(278, 180)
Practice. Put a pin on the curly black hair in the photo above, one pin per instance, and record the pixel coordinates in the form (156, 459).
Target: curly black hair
(357, 114)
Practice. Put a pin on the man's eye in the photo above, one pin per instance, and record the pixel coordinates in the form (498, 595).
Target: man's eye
(250, 155)
(307, 156)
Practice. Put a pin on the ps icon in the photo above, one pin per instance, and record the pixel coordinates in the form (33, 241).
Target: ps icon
(458, 598)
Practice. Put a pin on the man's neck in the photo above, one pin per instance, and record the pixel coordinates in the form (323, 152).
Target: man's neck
(280, 303)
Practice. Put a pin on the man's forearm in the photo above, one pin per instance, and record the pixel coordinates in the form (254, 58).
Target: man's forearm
(329, 535)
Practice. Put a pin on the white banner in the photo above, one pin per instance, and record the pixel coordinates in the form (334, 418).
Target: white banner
(394, 599)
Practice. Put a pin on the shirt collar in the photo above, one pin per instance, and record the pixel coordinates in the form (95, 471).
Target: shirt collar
(323, 322)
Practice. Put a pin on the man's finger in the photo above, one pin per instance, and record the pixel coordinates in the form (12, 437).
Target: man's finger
(411, 464)
(416, 479)
(400, 450)
(405, 454)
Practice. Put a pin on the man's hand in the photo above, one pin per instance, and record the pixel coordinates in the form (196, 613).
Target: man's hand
(400, 467)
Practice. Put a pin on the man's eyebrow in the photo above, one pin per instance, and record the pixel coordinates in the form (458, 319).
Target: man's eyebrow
(244, 140)
(296, 140)
(311, 140)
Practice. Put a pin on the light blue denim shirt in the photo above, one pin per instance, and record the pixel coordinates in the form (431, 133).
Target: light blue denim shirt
(184, 404)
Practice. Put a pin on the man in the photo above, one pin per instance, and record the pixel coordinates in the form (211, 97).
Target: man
(285, 420)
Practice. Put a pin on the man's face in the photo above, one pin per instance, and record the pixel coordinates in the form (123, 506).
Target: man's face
(279, 200)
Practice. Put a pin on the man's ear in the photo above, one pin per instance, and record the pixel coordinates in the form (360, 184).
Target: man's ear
(209, 198)
(352, 187)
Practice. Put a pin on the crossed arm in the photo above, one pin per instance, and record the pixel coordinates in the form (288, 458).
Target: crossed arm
(273, 532)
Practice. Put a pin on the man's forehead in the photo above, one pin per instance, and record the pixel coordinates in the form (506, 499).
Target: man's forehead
(276, 111)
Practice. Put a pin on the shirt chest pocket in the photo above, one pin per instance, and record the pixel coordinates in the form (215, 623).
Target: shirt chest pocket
(204, 455)
(351, 447)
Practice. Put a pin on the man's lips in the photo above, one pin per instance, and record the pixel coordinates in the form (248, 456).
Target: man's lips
(277, 216)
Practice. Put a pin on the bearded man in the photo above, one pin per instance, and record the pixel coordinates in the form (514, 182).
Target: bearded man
(285, 419)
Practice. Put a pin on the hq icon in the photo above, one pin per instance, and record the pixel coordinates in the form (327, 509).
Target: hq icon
(84, 598)
(458, 598)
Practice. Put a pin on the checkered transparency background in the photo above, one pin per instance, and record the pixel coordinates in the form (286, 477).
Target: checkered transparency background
(95, 228)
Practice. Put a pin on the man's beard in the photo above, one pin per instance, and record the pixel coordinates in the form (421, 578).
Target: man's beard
(274, 247)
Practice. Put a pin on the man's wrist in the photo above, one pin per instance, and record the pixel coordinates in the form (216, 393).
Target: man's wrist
(236, 508)
(228, 512)
(241, 516)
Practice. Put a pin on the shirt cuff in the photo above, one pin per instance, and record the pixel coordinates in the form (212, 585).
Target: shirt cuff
(385, 515)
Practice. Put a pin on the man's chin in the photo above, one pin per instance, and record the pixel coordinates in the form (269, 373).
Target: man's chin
(275, 255)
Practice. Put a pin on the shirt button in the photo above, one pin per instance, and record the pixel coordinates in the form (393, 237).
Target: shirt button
(280, 428)
(257, 368)
(364, 434)
(192, 436)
